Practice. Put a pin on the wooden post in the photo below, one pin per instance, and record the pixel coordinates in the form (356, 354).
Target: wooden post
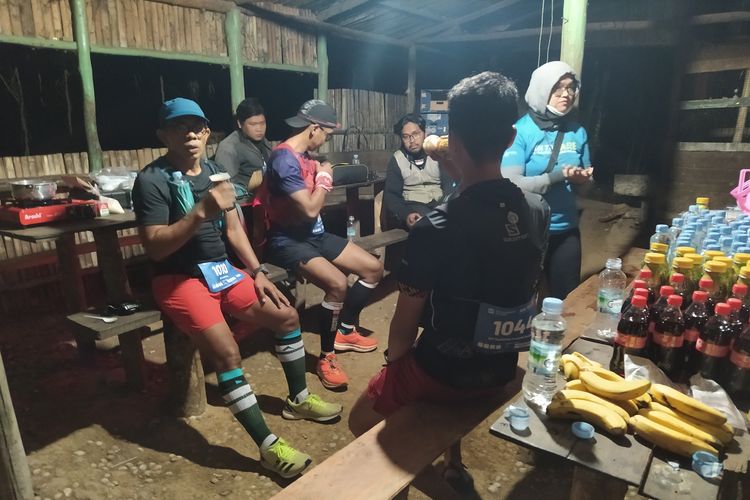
(411, 87)
(15, 479)
(186, 380)
(80, 29)
(742, 113)
(573, 34)
(323, 67)
(234, 50)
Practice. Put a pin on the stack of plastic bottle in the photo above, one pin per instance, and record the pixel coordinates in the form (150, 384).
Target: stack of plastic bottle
(695, 281)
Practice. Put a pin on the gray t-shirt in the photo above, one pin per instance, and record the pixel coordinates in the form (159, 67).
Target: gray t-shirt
(240, 156)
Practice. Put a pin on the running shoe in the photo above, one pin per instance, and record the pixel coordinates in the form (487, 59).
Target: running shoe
(330, 373)
(312, 408)
(284, 460)
(354, 342)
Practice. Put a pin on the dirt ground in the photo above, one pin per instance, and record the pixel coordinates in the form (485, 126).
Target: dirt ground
(87, 437)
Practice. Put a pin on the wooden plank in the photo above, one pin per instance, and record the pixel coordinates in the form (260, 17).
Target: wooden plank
(16, 23)
(722, 147)
(690, 486)
(107, 27)
(742, 113)
(113, 23)
(5, 21)
(724, 57)
(27, 17)
(56, 15)
(135, 36)
(67, 20)
(728, 102)
(453, 23)
(340, 7)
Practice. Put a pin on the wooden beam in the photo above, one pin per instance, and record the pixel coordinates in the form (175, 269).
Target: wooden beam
(720, 58)
(411, 87)
(322, 67)
(423, 13)
(81, 32)
(573, 36)
(233, 37)
(339, 7)
(15, 479)
(728, 102)
(742, 113)
(714, 147)
(453, 23)
(212, 5)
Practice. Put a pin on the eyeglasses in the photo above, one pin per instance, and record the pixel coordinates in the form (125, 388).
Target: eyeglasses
(327, 132)
(415, 137)
(198, 129)
(572, 91)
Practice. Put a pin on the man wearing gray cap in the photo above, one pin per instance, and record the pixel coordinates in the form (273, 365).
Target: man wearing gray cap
(294, 193)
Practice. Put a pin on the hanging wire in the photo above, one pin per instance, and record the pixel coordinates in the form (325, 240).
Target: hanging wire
(541, 31)
(551, 19)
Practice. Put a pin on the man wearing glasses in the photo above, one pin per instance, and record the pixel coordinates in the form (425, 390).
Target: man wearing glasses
(414, 183)
(183, 214)
(293, 194)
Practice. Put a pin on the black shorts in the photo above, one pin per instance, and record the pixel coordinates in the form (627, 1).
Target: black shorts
(289, 252)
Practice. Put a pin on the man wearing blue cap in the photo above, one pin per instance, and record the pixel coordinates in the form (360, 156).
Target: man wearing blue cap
(293, 194)
(183, 211)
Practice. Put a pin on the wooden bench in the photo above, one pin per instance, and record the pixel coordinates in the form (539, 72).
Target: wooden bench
(393, 452)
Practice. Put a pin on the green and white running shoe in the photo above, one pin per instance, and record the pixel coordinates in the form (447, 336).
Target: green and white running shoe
(312, 408)
(284, 460)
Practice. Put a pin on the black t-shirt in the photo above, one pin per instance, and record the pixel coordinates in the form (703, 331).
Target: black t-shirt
(484, 246)
(154, 205)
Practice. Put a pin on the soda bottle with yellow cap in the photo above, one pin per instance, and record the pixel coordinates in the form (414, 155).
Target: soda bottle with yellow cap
(697, 265)
(739, 260)
(702, 202)
(682, 251)
(729, 275)
(717, 270)
(711, 255)
(684, 266)
(657, 264)
(659, 247)
(744, 276)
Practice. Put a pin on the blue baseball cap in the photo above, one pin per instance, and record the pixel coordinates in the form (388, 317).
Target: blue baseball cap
(179, 106)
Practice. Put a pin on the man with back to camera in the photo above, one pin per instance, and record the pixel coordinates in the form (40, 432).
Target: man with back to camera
(294, 193)
(470, 266)
(414, 182)
(181, 215)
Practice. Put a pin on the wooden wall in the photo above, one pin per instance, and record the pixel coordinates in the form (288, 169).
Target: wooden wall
(154, 25)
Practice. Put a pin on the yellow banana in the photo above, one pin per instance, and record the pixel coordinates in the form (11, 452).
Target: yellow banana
(607, 374)
(643, 400)
(570, 370)
(669, 439)
(687, 405)
(680, 425)
(621, 390)
(629, 406)
(725, 433)
(593, 413)
(573, 394)
(586, 361)
(575, 385)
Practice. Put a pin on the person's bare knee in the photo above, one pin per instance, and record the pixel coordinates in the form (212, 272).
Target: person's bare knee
(217, 345)
(374, 271)
(337, 288)
(289, 320)
(225, 358)
(363, 416)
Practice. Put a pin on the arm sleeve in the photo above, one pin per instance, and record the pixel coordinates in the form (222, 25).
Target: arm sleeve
(513, 167)
(285, 176)
(393, 192)
(150, 204)
(226, 156)
(420, 266)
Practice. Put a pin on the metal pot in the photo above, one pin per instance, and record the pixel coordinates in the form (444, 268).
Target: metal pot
(33, 190)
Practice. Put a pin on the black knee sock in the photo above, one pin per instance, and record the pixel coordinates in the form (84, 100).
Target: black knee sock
(328, 322)
(356, 300)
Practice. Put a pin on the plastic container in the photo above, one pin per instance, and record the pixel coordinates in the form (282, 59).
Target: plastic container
(612, 283)
(542, 374)
(707, 465)
(518, 417)
(351, 228)
(582, 430)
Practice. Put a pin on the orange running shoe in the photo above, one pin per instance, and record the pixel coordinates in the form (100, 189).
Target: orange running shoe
(354, 342)
(330, 373)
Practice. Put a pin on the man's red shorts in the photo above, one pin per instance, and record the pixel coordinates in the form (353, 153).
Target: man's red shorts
(190, 305)
(404, 381)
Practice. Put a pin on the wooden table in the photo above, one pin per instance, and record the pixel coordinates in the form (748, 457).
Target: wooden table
(605, 466)
(108, 253)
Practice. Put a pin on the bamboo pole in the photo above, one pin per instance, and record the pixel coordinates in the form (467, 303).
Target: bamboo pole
(233, 38)
(742, 113)
(78, 10)
(573, 34)
(322, 67)
(411, 87)
(15, 479)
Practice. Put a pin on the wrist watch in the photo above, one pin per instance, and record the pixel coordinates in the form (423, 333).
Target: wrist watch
(260, 269)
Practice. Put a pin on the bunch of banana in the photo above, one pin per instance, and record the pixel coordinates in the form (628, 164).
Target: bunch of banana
(588, 410)
(724, 433)
(629, 406)
(666, 437)
(573, 364)
(611, 386)
(679, 425)
(686, 405)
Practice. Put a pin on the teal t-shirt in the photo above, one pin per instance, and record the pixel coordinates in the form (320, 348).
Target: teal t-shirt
(532, 149)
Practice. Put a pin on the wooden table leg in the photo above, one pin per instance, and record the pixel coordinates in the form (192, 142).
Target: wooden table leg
(74, 293)
(591, 485)
(112, 265)
(187, 383)
(15, 478)
(131, 348)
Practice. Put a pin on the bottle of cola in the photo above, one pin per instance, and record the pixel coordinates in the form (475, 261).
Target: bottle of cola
(707, 285)
(639, 283)
(738, 371)
(735, 305)
(695, 319)
(677, 281)
(739, 291)
(632, 334)
(668, 338)
(713, 343)
(654, 311)
(646, 275)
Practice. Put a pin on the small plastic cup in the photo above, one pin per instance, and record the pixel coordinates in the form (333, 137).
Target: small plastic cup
(518, 417)
(582, 430)
(707, 465)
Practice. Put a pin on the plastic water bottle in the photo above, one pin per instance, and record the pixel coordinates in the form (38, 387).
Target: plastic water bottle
(661, 235)
(351, 228)
(612, 283)
(355, 159)
(547, 331)
(178, 178)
